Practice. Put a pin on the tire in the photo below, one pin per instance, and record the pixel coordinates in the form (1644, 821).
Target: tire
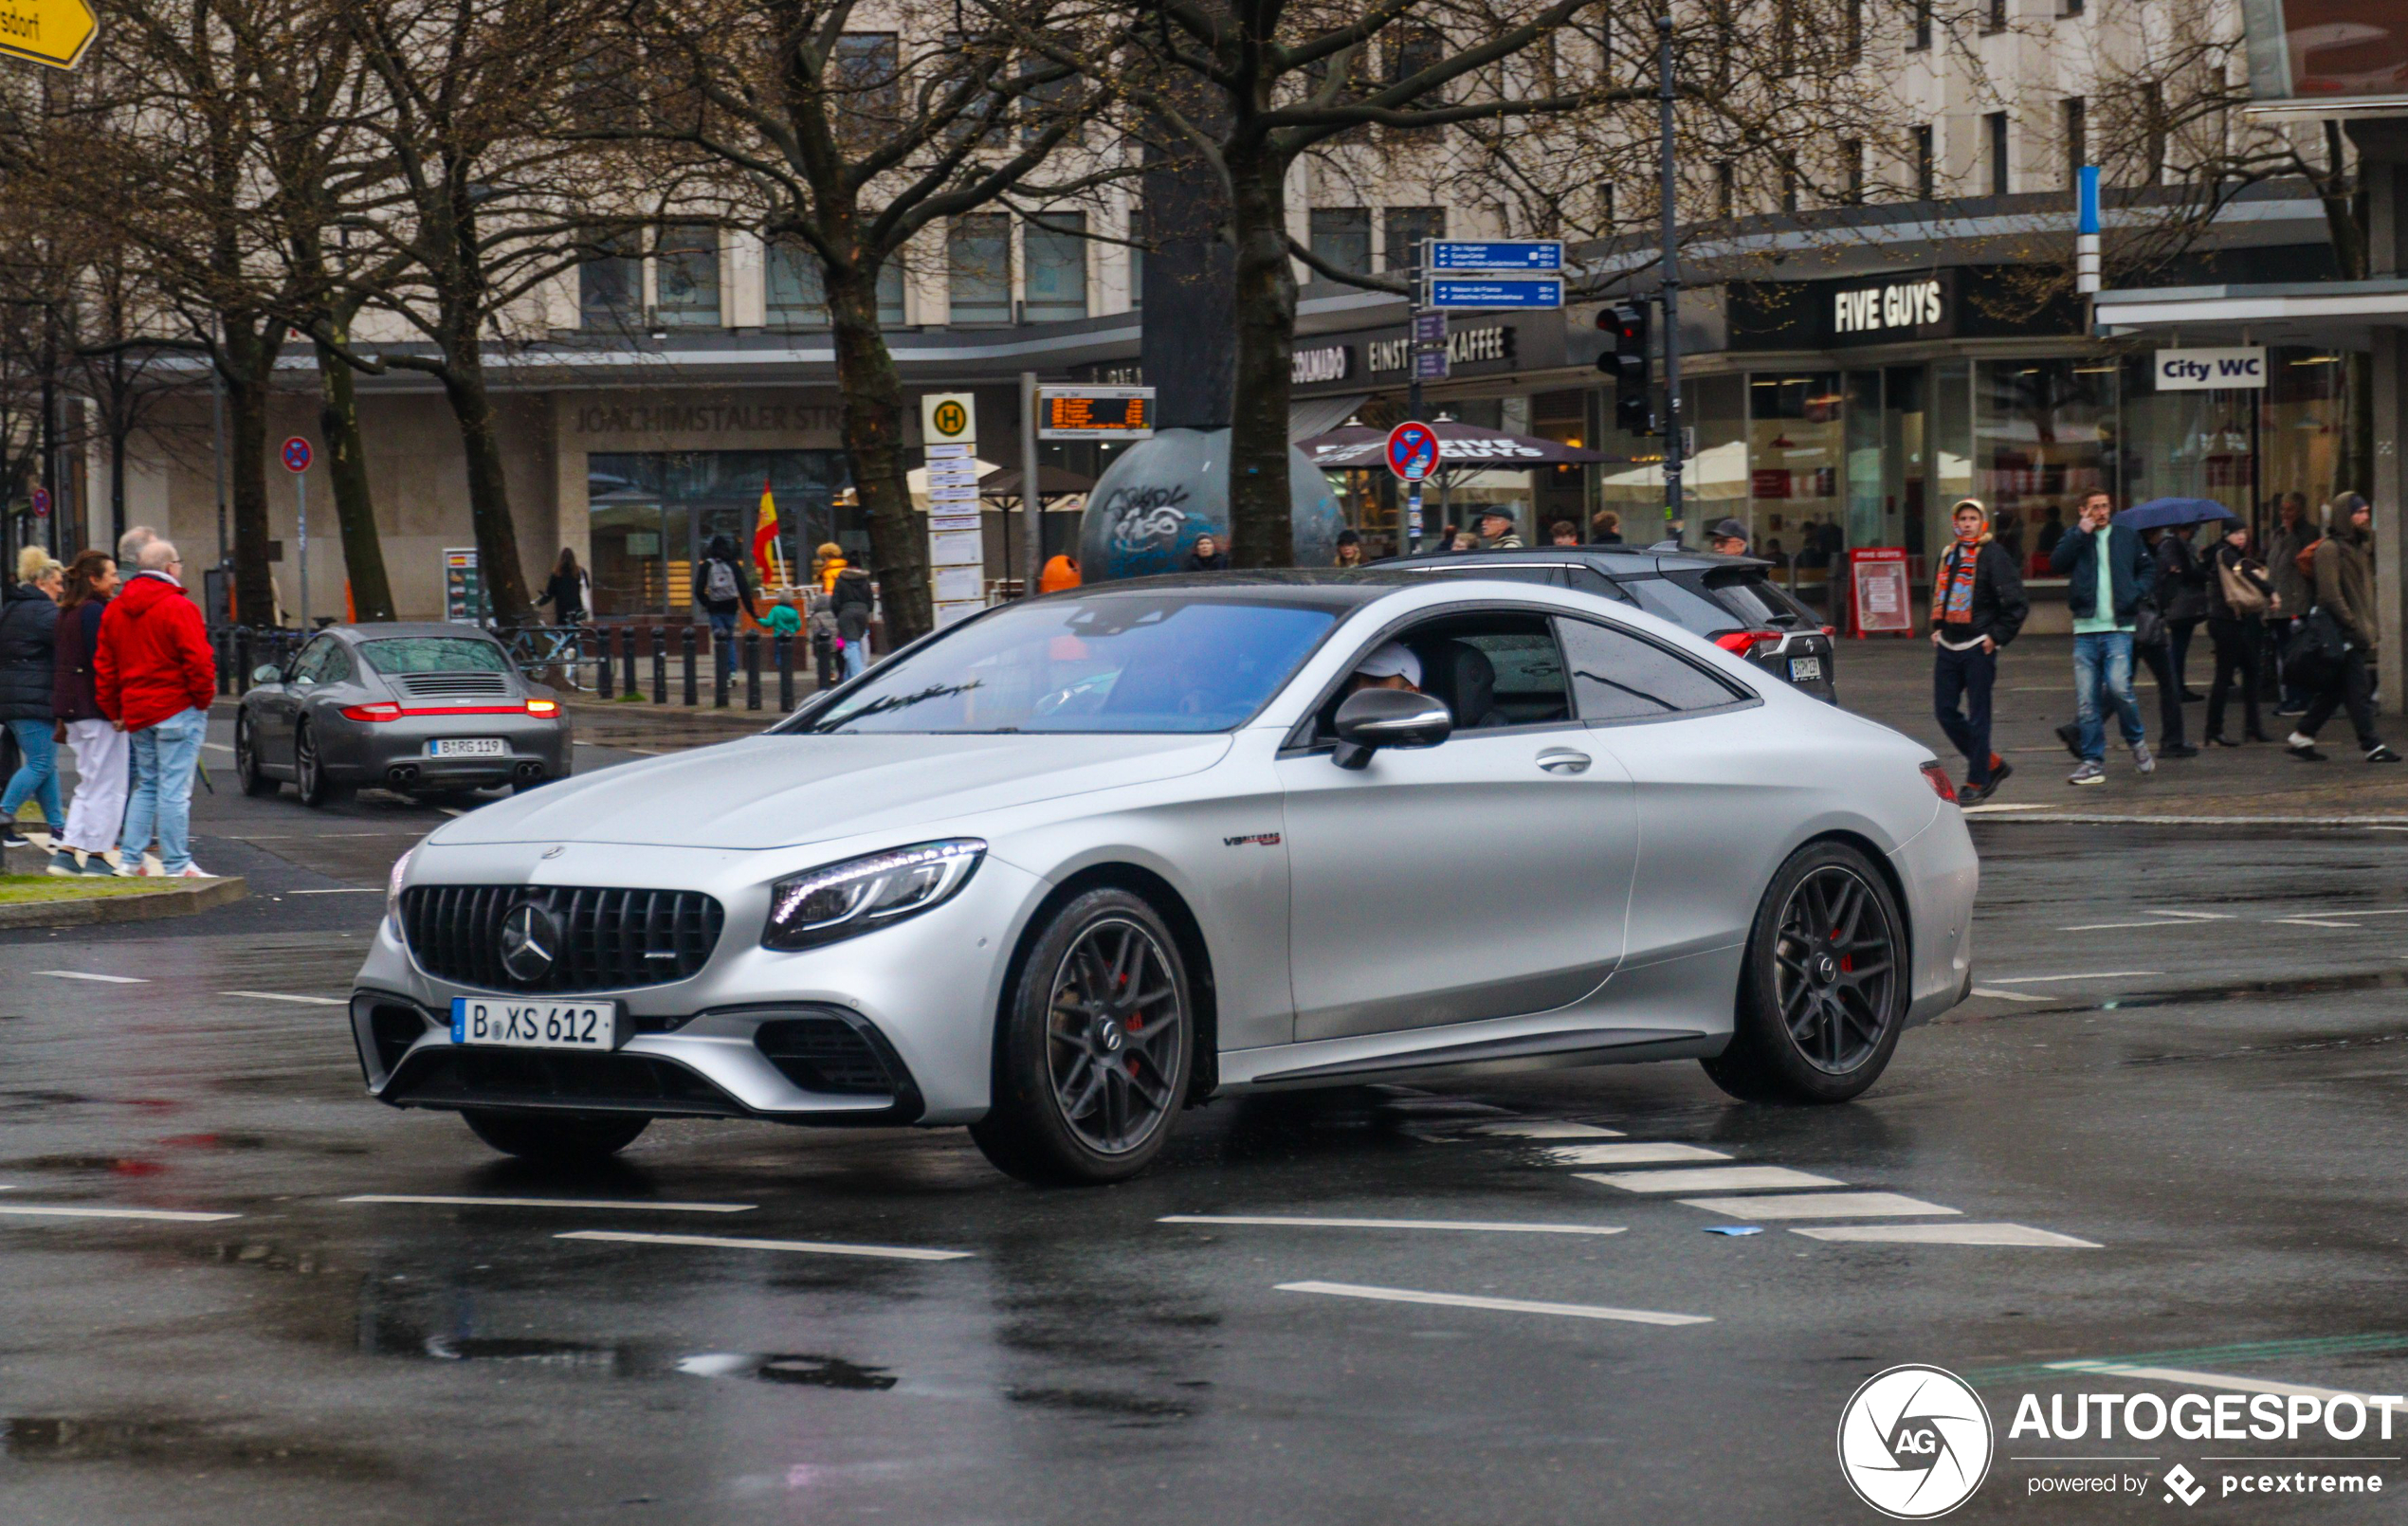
(555, 1138)
(1096, 1047)
(309, 772)
(1819, 1016)
(246, 761)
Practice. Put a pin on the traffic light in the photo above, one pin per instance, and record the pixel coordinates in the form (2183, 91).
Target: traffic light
(1627, 363)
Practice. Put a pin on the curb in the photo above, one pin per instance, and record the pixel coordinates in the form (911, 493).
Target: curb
(2063, 818)
(84, 911)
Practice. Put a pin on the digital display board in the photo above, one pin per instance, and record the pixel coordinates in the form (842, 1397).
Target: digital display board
(1095, 413)
(2340, 53)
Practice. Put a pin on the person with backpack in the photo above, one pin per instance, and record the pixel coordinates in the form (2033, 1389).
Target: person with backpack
(854, 603)
(2238, 596)
(2340, 629)
(722, 587)
(29, 633)
(2295, 535)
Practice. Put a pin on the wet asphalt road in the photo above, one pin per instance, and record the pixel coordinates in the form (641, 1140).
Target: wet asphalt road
(2217, 1101)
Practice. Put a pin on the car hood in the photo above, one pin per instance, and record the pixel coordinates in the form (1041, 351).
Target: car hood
(780, 792)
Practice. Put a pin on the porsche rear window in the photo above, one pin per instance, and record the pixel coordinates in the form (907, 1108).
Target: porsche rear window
(434, 654)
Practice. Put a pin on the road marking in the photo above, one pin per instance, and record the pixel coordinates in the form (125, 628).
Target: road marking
(1996, 994)
(815, 1247)
(165, 1215)
(2161, 921)
(1630, 1155)
(597, 1204)
(1547, 1128)
(1997, 809)
(280, 996)
(346, 890)
(81, 975)
(1820, 1206)
(1709, 1179)
(451, 810)
(1943, 1234)
(217, 747)
(1392, 1223)
(2201, 1380)
(1466, 1300)
(2310, 921)
(2096, 974)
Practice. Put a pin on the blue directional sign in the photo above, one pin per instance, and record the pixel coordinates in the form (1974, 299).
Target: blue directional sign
(1483, 291)
(1522, 254)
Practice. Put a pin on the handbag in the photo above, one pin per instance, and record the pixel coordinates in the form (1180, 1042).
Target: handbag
(2242, 597)
(2148, 622)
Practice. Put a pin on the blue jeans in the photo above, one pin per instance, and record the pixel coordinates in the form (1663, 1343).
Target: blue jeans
(722, 625)
(165, 756)
(856, 657)
(37, 777)
(2107, 654)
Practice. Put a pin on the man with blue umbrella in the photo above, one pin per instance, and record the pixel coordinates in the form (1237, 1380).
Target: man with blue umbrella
(2107, 572)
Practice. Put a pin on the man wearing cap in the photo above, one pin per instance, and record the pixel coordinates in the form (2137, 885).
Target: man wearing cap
(1497, 531)
(1729, 539)
(1391, 665)
(1977, 607)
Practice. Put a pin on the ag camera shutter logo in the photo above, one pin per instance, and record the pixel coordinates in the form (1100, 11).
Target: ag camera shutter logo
(1914, 1441)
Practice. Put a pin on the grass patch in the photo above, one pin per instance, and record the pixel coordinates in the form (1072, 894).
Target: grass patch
(24, 889)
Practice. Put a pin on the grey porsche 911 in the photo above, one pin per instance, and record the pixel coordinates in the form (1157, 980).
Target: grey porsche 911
(420, 709)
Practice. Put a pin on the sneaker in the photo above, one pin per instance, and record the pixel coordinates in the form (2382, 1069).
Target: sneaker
(2177, 750)
(2142, 759)
(2090, 772)
(192, 871)
(132, 869)
(97, 866)
(1968, 794)
(2303, 747)
(2379, 754)
(2071, 734)
(10, 837)
(1999, 768)
(62, 864)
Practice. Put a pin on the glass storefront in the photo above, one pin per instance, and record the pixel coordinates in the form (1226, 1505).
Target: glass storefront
(2044, 434)
(652, 515)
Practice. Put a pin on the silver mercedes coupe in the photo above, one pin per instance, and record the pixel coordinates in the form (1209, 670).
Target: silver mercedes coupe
(1065, 869)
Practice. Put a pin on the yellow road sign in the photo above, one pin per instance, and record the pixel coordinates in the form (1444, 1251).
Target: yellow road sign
(46, 31)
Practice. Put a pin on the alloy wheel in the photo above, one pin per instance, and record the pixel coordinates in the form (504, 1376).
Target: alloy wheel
(1113, 1031)
(306, 764)
(1835, 969)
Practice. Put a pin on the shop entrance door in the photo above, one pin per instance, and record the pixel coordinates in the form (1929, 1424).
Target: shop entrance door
(1903, 454)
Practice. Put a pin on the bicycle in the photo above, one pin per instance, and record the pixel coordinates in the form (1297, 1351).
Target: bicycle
(548, 654)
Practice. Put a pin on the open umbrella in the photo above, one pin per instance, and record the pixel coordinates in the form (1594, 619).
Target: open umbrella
(2164, 513)
(1461, 446)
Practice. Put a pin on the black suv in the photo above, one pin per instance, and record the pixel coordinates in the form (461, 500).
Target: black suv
(1731, 601)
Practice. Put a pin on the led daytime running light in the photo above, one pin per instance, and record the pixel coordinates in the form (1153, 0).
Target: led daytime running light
(867, 892)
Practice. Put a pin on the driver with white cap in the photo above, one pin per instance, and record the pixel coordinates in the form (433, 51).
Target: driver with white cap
(1391, 665)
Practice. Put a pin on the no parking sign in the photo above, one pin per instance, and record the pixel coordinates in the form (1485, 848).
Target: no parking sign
(296, 455)
(1412, 450)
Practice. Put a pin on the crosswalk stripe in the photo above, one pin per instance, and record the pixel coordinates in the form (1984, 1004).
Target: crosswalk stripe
(2204, 1380)
(1390, 1223)
(815, 1247)
(632, 1205)
(1941, 1234)
(85, 974)
(1466, 1300)
(1820, 1206)
(1710, 1179)
(31, 1210)
(1630, 1155)
(281, 996)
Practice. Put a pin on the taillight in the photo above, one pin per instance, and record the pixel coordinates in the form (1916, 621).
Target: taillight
(1831, 630)
(543, 707)
(381, 710)
(1937, 776)
(1743, 643)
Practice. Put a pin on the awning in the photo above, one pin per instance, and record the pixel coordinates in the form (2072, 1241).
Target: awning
(2325, 312)
(1318, 415)
(1461, 446)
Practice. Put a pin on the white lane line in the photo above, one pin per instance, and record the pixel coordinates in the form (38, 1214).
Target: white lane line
(165, 1215)
(2191, 916)
(2203, 1380)
(346, 890)
(1820, 1206)
(1996, 994)
(2110, 927)
(82, 975)
(2095, 974)
(451, 810)
(1630, 1155)
(217, 747)
(1943, 1234)
(1466, 1300)
(596, 1204)
(815, 1247)
(1392, 1223)
(2309, 922)
(1997, 809)
(281, 996)
(1547, 1128)
(1709, 1179)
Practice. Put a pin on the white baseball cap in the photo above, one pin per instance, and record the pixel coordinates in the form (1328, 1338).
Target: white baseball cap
(1390, 659)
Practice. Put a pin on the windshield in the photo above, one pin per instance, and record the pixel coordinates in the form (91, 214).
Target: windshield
(434, 654)
(1174, 663)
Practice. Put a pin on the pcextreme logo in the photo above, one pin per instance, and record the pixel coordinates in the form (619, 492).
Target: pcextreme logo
(1914, 1441)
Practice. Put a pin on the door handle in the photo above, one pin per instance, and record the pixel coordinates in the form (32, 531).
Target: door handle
(1563, 760)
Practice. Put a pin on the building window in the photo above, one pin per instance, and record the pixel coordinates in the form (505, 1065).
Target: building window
(2077, 151)
(1055, 247)
(1997, 122)
(978, 269)
(1605, 208)
(1996, 18)
(1925, 168)
(865, 73)
(1137, 255)
(798, 288)
(686, 273)
(1852, 168)
(1852, 34)
(1725, 189)
(1922, 41)
(1341, 238)
(1405, 227)
(1045, 103)
(891, 296)
(2069, 8)
(611, 283)
(2153, 142)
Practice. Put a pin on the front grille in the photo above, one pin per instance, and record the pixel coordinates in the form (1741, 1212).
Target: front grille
(443, 685)
(824, 1053)
(611, 940)
(464, 1077)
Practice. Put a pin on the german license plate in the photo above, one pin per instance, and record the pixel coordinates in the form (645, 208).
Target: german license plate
(534, 1025)
(468, 746)
(1803, 668)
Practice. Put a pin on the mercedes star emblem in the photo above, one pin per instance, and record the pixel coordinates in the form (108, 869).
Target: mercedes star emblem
(529, 934)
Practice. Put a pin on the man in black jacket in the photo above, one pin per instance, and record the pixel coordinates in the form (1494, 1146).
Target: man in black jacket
(1977, 608)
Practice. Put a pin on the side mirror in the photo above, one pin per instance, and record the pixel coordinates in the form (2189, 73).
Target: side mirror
(1374, 718)
(266, 673)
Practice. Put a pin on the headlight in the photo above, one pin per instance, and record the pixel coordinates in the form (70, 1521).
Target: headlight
(865, 893)
(393, 889)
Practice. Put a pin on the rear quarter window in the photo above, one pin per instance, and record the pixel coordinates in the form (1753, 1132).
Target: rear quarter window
(1689, 610)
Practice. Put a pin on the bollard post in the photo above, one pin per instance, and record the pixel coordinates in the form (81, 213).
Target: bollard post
(242, 663)
(723, 659)
(752, 670)
(627, 663)
(785, 648)
(660, 665)
(686, 642)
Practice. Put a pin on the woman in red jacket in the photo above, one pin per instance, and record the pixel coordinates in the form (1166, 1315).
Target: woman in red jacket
(153, 671)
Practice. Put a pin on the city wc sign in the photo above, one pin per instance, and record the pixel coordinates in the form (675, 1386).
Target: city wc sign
(2201, 370)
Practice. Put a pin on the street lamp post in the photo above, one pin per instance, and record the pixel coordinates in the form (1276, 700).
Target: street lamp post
(1671, 283)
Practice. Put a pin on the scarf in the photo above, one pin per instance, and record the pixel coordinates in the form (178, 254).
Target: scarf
(1952, 594)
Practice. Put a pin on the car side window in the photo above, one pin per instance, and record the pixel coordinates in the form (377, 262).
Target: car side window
(309, 668)
(1617, 675)
(1690, 611)
(1589, 580)
(1492, 668)
(333, 664)
(1547, 572)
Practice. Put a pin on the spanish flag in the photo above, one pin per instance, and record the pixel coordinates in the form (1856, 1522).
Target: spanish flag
(769, 560)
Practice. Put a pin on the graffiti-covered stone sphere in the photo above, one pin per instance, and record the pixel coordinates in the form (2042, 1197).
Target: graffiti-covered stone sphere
(1146, 513)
